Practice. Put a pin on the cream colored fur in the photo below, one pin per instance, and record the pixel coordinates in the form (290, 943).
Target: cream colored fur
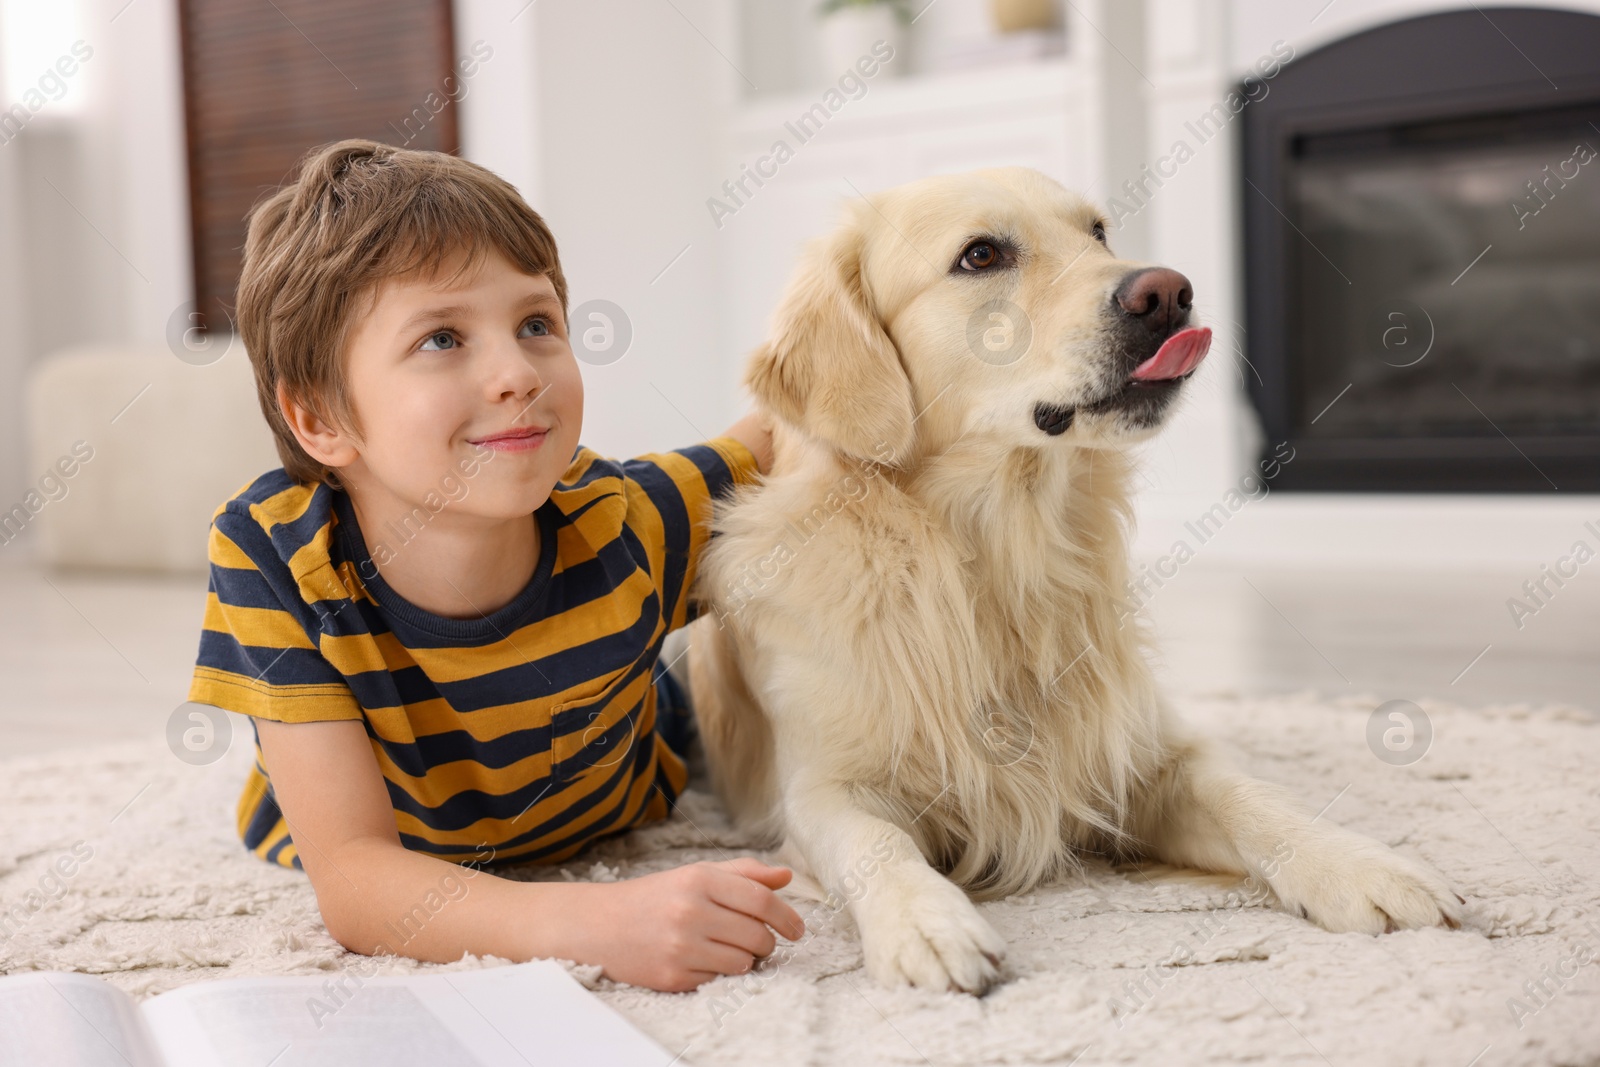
(915, 676)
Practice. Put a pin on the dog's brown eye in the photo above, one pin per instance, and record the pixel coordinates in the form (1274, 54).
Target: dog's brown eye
(979, 255)
(1100, 232)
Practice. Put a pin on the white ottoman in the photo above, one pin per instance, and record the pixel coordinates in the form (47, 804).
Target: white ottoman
(131, 451)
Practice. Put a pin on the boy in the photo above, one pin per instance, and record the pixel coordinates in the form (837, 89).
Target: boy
(443, 614)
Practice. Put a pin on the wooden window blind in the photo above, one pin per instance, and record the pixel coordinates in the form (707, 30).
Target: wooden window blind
(266, 80)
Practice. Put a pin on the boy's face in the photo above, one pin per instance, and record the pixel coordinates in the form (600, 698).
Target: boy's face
(438, 376)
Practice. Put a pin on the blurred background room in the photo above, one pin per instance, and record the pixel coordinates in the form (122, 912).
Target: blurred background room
(1390, 210)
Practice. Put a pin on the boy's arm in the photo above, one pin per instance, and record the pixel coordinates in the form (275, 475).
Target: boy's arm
(671, 931)
(754, 431)
(339, 815)
(670, 498)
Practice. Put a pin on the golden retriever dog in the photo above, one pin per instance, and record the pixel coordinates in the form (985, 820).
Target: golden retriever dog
(917, 676)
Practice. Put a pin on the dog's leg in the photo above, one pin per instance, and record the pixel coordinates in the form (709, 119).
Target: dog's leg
(1203, 813)
(917, 927)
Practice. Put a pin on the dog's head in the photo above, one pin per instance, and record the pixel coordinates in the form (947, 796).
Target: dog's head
(986, 303)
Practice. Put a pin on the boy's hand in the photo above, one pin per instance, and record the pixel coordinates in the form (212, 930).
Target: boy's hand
(754, 431)
(674, 930)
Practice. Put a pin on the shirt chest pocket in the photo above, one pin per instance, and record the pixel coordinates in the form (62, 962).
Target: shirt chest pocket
(600, 728)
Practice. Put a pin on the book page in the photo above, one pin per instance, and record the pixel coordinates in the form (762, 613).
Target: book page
(58, 1019)
(529, 1013)
(271, 1024)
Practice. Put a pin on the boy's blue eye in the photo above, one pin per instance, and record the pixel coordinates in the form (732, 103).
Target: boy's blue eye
(447, 339)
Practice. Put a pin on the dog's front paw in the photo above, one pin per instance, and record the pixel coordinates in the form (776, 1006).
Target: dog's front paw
(918, 928)
(1347, 882)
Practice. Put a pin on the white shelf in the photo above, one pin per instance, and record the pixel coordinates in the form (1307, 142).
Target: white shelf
(904, 102)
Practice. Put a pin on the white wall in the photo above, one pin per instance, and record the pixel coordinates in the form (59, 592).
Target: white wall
(1189, 224)
(139, 127)
(499, 115)
(633, 98)
(605, 114)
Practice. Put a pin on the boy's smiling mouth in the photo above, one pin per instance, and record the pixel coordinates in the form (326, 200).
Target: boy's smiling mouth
(518, 439)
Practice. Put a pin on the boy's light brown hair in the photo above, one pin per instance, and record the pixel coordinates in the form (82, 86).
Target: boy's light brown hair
(316, 252)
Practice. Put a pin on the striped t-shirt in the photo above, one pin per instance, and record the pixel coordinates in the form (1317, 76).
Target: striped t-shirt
(530, 730)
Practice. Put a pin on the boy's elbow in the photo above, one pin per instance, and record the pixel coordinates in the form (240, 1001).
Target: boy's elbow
(346, 929)
(355, 934)
(347, 942)
(347, 914)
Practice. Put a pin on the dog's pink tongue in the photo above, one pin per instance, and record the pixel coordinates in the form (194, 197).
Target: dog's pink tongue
(1180, 354)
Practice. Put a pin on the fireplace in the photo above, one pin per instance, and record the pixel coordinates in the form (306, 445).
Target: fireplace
(1421, 207)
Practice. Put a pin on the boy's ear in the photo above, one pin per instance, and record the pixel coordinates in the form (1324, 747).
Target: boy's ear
(829, 367)
(323, 442)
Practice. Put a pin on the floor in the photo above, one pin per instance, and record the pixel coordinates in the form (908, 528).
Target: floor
(95, 657)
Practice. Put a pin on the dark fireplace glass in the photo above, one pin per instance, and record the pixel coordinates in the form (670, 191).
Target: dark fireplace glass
(1446, 282)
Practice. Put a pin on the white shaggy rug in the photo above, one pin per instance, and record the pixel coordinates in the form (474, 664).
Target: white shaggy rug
(1506, 804)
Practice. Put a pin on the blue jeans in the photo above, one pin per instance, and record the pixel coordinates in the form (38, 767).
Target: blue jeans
(674, 712)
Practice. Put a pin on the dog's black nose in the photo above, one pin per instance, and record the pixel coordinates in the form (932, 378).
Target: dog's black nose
(1157, 298)
(1051, 419)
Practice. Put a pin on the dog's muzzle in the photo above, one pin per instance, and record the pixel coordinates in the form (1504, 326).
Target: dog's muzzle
(1051, 419)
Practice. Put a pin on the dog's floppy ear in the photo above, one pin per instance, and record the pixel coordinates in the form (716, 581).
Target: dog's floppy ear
(829, 367)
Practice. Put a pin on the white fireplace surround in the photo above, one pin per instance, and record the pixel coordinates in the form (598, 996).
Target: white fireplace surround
(620, 119)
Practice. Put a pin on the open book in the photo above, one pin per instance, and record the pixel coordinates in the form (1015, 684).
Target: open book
(528, 1013)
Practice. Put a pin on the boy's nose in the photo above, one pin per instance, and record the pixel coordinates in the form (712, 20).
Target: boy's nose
(514, 374)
